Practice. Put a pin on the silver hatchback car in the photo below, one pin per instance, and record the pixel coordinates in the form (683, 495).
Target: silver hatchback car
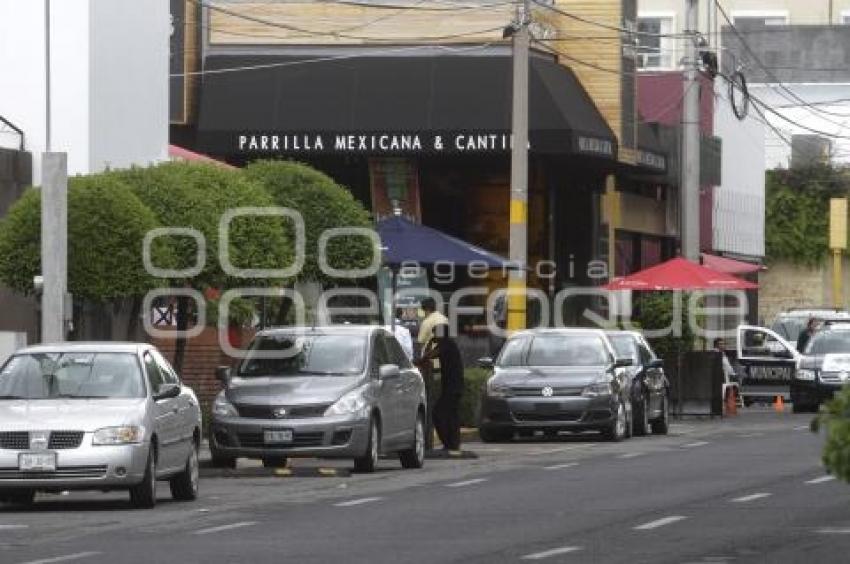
(96, 416)
(344, 391)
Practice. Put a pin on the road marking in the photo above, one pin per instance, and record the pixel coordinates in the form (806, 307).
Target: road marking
(220, 528)
(801, 428)
(66, 558)
(353, 502)
(561, 466)
(552, 552)
(554, 450)
(631, 455)
(13, 527)
(696, 444)
(834, 531)
(466, 483)
(820, 480)
(750, 435)
(660, 522)
(751, 497)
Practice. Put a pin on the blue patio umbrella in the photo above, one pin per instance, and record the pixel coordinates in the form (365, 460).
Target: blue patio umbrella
(405, 241)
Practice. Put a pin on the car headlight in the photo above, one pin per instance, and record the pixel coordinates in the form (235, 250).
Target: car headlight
(352, 402)
(497, 389)
(124, 435)
(222, 407)
(596, 389)
(806, 374)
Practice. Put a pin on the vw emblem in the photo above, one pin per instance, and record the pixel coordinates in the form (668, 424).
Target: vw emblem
(547, 392)
(39, 440)
(279, 413)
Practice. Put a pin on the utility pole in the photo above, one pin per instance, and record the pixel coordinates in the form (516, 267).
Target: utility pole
(516, 300)
(54, 219)
(689, 194)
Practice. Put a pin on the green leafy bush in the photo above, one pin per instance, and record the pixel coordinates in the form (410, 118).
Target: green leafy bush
(106, 226)
(197, 195)
(655, 311)
(474, 380)
(323, 204)
(835, 420)
(797, 212)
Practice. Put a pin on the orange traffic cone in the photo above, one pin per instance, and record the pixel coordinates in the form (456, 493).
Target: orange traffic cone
(731, 402)
(779, 404)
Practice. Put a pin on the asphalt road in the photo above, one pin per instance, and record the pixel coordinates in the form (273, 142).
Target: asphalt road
(749, 489)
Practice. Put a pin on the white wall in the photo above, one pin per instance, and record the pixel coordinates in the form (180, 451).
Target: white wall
(129, 82)
(109, 80)
(835, 122)
(739, 200)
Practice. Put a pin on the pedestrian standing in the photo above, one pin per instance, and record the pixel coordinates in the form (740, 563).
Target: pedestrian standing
(447, 407)
(426, 328)
(806, 334)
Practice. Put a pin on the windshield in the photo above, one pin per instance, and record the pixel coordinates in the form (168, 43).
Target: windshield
(71, 375)
(624, 346)
(789, 329)
(829, 342)
(566, 350)
(305, 355)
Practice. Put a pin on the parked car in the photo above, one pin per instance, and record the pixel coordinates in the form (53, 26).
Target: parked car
(822, 369)
(556, 380)
(96, 416)
(648, 385)
(767, 364)
(330, 392)
(790, 323)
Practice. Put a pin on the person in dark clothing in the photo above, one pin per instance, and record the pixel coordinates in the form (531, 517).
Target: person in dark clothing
(447, 407)
(806, 334)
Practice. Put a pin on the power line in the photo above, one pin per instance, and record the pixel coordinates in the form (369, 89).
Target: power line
(597, 23)
(301, 62)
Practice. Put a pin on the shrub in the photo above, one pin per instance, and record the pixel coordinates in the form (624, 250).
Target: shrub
(655, 311)
(323, 204)
(106, 226)
(474, 380)
(835, 419)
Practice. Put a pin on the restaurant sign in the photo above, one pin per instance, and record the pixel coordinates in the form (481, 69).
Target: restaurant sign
(377, 143)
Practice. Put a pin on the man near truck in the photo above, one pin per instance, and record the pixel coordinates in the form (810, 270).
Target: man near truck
(806, 334)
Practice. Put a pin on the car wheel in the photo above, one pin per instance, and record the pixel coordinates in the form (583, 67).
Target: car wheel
(641, 418)
(414, 457)
(143, 495)
(661, 425)
(184, 486)
(490, 435)
(274, 462)
(617, 430)
(369, 461)
(21, 498)
(222, 461)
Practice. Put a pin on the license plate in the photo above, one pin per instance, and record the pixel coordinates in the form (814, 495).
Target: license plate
(277, 437)
(37, 462)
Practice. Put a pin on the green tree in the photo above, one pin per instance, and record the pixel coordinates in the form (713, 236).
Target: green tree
(797, 212)
(655, 311)
(197, 196)
(106, 226)
(323, 204)
(835, 420)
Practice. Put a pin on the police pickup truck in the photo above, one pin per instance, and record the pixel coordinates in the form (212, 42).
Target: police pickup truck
(771, 366)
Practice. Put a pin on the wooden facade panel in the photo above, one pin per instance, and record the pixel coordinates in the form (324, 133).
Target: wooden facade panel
(321, 23)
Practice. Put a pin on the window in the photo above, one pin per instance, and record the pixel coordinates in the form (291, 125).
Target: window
(155, 378)
(380, 355)
(396, 353)
(168, 374)
(654, 50)
(845, 17)
(746, 20)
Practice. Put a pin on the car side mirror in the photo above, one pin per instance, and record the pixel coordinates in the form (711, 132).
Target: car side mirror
(486, 362)
(222, 374)
(167, 391)
(388, 371)
(623, 362)
(656, 363)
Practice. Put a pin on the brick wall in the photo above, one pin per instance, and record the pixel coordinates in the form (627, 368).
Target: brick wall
(203, 355)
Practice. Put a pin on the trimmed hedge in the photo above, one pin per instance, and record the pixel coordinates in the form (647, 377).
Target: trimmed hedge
(474, 380)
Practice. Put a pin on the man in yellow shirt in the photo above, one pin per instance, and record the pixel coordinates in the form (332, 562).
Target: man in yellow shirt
(431, 320)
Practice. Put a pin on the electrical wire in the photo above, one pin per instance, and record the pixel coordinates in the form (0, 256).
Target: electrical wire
(301, 62)
(598, 23)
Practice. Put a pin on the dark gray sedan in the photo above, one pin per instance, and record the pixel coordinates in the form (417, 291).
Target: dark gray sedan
(556, 380)
(328, 392)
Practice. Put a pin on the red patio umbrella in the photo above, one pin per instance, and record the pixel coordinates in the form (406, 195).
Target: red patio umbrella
(679, 274)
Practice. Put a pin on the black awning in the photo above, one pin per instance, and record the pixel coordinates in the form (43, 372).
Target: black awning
(401, 104)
